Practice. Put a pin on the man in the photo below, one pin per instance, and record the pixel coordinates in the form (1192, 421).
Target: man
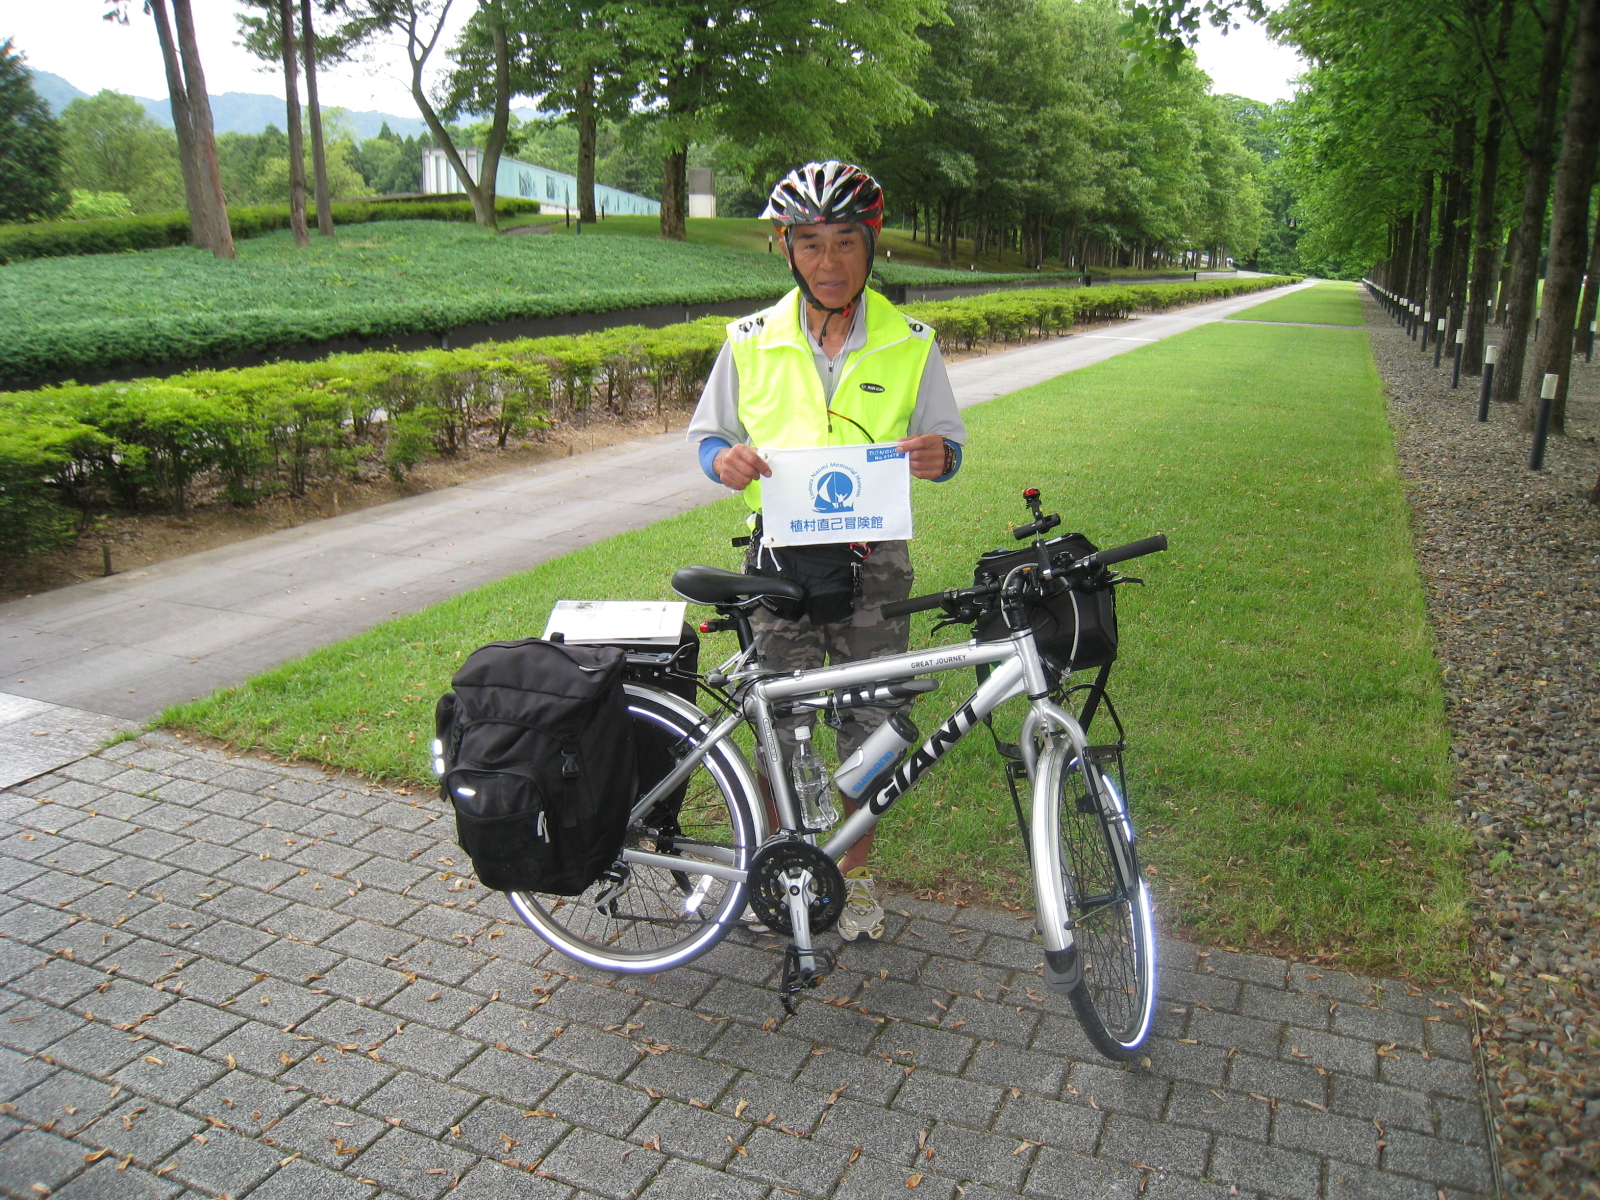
(831, 364)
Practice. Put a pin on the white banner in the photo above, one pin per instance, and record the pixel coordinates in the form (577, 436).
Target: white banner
(836, 494)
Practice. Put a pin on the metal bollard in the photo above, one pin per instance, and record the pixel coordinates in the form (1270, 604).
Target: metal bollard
(1438, 344)
(1491, 355)
(1588, 354)
(1461, 344)
(1541, 429)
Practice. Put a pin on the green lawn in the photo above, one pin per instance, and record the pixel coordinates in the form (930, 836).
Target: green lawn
(1337, 303)
(1287, 745)
(385, 278)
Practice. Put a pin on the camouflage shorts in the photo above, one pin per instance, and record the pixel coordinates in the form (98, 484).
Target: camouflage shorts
(886, 576)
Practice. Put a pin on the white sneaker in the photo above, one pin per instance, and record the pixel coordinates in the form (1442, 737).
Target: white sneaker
(862, 912)
(752, 922)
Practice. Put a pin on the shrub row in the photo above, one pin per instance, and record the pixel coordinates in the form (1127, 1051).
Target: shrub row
(152, 231)
(66, 452)
(1013, 316)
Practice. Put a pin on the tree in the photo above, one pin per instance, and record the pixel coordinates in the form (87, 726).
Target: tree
(1569, 224)
(291, 85)
(789, 79)
(30, 147)
(191, 119)
(578, 58)
(421, 23)
(112, 145)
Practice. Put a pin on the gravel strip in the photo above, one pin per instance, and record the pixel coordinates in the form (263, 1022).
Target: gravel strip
(1508, 557)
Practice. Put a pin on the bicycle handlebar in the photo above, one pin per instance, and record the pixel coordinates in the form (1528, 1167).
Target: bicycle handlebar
(902, 608)
(1149, 545)
(948, 599)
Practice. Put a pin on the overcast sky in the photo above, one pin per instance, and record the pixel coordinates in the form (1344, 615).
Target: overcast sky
(68, 38)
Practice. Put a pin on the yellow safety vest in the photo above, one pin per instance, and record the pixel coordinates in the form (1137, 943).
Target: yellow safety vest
(781, 402)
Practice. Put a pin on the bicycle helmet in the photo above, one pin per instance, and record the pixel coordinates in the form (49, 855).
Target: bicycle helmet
(826, 193)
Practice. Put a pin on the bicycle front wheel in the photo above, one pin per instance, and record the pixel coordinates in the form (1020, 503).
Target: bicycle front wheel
(647, 917)
(1106, 902)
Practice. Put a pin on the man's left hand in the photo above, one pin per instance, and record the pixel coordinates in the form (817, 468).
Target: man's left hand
(926, 453)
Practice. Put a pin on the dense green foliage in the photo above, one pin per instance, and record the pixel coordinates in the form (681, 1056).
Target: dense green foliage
(57, 239)
(31, 185)
(1035, 138)
(1287, 776)
(112, 145)
(72, 450)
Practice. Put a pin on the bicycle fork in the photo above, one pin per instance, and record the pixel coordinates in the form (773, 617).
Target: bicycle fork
(1063, 969)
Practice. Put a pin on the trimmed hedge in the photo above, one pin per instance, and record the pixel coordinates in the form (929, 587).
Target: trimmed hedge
(68, 451)
(153, 231)
(907, 274)
(1014, 316)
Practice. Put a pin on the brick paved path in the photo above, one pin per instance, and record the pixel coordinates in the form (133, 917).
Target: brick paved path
(228, 976)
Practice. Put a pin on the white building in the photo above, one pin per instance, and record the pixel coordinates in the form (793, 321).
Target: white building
(555, 191)
(702, 192)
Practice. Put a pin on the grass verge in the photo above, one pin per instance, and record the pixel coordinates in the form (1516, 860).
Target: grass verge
(1288, 752)
(1336, 303)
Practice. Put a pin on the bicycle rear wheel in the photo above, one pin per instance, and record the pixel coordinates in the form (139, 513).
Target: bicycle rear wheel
(1107, 905)
(650, 917)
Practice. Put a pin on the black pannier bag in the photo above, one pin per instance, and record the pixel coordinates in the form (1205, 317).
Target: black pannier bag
(1075, 617)
(539, 762)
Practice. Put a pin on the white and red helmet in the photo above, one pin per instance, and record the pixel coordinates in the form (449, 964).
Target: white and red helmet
(827, 193)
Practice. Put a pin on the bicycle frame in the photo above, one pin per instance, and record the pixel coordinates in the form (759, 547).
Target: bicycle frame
(1018, 670)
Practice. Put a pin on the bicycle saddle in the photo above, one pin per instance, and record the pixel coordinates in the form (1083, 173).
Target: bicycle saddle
(713, 585)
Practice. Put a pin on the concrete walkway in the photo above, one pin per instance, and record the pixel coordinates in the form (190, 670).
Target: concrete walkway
(246, 978)
(119, 650)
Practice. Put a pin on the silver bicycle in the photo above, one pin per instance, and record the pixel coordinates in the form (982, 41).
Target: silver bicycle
(699, 846)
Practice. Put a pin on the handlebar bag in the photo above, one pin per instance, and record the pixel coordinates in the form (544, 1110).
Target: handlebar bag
(539, 763)
(1075, 626)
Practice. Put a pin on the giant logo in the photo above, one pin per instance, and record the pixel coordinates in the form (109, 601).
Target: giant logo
(834, 489)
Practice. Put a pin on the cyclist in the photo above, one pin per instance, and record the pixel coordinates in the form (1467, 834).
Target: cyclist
(831, 364)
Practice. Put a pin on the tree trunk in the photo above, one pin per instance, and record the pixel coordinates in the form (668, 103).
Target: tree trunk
(205, 137)
(194, 197)
(1463, 140)
(675, 194)
(1400, 260)
(1417, 285)
(297, 152)
(419, 45)
(1437, 302)
(1591, 281)
(949, 255)
(1485, 239)
(319, 158)
(1535, 194)
(1503, 294)
(1569, 223)
(584, 111)
(197, 143)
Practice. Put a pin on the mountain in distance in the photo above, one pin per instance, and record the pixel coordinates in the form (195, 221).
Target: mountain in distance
(245, 112)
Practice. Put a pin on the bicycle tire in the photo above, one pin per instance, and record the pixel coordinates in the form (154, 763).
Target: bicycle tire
(1107, 903)
(662, 918)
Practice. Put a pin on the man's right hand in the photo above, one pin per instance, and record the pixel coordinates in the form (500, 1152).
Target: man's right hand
(738, 465)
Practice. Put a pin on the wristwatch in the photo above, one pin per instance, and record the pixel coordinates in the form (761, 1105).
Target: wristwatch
(949, 458)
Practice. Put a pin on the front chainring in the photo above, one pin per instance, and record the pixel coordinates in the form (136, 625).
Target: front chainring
(777, 867)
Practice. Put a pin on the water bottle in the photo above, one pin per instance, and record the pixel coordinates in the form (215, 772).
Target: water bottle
(878, 754)
(811, 790)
